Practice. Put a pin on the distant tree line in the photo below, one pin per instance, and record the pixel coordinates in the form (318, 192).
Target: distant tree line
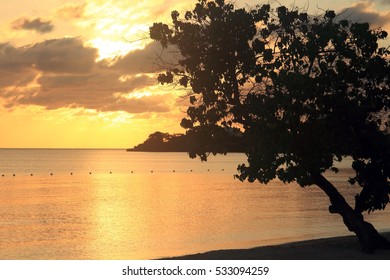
(178, 142)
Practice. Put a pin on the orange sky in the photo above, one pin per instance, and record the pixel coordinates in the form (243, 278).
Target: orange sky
(80, 73)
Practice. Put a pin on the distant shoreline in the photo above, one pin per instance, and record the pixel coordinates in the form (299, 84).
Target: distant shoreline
(165, 142)
(186, 152)
(151, 151)
(334, 248)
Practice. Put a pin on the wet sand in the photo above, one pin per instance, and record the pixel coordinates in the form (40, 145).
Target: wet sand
(335, 248)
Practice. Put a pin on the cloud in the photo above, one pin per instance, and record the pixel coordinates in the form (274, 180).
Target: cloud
(11, 58)
(364, 12)
(37, 25)
(63, 73)
(152, 103)
(14, 69)
(163, 9)
(385, 2)
(71, 11)
(101, 91)
(146, 60)
(66, 55)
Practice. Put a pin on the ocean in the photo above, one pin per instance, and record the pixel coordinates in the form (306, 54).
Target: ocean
(112, 204)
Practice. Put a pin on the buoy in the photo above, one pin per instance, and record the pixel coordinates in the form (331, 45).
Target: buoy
(2, 175)
(223, 169)
(151, 171)
(13, 175)
(208, 169)
(51, 174)
(173, 171)
(131, 171)
(90, 173)
(71, 173)
(110, 172)
(191, 170)
(31, 174)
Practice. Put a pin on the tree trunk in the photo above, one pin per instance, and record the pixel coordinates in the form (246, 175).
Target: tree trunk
(368, 236)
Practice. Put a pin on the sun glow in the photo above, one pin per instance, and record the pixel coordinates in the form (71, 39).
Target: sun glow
(112, 29)
(109, 49)
(49, 101)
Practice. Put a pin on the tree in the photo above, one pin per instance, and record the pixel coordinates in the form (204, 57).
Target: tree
(163, 142)
(304, 90)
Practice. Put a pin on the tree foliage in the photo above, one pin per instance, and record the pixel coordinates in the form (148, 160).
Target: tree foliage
(305, 91)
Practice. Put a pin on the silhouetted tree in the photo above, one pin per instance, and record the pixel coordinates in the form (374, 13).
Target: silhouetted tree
(305, 91)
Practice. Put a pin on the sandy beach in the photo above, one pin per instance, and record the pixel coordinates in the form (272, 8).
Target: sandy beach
(335, 248)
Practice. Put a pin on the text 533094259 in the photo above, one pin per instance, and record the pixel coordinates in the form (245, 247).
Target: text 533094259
(235, 270)
(181, 271)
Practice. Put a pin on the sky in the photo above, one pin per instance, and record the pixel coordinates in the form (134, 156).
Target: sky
(82, 73)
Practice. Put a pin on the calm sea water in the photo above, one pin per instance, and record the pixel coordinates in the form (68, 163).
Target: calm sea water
(110, 204)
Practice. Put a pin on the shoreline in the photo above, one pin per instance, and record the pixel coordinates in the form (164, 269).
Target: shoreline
(333, 248)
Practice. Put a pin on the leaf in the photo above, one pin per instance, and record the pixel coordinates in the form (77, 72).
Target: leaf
(184, 81)
(382, 34)
(330, 14)
(258, 46)
(303, 17)
(166, 78)
(344, 23)
(175, 15)
(268, 56)
(188, 15)
(186, 123)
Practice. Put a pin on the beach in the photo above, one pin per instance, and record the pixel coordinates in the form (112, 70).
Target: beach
(335, 248)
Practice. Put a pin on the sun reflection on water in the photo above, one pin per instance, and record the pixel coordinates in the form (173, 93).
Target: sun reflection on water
(115, 214)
